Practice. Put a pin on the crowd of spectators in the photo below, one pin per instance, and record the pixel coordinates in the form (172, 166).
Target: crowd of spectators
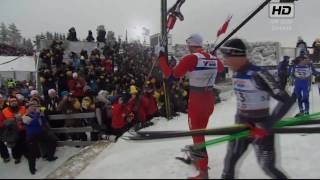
(115, 82)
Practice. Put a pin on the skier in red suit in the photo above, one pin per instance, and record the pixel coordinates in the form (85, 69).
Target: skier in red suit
(201, 68)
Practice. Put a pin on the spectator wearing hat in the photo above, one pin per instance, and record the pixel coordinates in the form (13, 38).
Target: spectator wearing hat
(87, 105)
(138, 104)
(36, 135)
(82, 61)
(152, 107)
(20, 99)
(76, 86)
(34, 94)
(14, 129)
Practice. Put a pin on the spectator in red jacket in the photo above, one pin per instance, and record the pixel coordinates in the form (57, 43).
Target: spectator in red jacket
(107, 64)
(152, 107)
(138, 104)
(76, 86)
(121, 117)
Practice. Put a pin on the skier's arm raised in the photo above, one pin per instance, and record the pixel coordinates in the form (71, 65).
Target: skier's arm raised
(188, 63)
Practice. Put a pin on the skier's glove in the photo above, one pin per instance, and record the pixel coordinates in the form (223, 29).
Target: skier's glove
(256, 132)
(159, 51)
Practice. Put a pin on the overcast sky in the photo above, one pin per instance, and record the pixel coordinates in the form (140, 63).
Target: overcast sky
(201, 16)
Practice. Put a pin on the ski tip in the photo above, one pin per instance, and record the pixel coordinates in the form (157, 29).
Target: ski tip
(125, 137)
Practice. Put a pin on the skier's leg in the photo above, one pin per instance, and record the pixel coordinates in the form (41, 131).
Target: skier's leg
(4, 151)
(298, 93)
(234, 153)
(305, 99)
(198, 119)
(266, 156)
(197, 123)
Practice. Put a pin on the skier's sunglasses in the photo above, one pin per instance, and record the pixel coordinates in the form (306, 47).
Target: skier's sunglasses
(232, 52)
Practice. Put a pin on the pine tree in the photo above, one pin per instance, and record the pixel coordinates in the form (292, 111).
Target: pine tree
(29, 45)
(56, 36)
(49, 35)
(38, 37)
(23, 43)
(14, 35)
(4, 37)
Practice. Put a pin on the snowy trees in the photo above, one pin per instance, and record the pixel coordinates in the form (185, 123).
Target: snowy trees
(10, 35)
(3, 33)
(14, 35)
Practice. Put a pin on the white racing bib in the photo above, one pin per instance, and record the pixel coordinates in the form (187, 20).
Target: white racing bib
(205, 72)
(248, 96)
(302, 72)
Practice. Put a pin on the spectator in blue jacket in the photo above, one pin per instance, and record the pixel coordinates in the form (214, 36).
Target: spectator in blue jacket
(36, 134)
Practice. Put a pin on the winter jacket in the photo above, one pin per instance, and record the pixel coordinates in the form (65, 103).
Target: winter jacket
(119, 112)
(107, 64)
(152, 107)
(76, 87)
(93, 85)
(62, 83)
(68, 107)
(52, 105)
(139, 110)
(35, 125)
(9, 115)
(76, 63)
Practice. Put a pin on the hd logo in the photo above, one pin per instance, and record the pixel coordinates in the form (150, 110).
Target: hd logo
(281, 10)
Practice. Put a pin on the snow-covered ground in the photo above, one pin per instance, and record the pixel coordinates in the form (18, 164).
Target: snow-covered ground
(44, 168)
(297, 154)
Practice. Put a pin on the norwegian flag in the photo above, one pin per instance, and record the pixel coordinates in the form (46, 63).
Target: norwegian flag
(224, 27)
